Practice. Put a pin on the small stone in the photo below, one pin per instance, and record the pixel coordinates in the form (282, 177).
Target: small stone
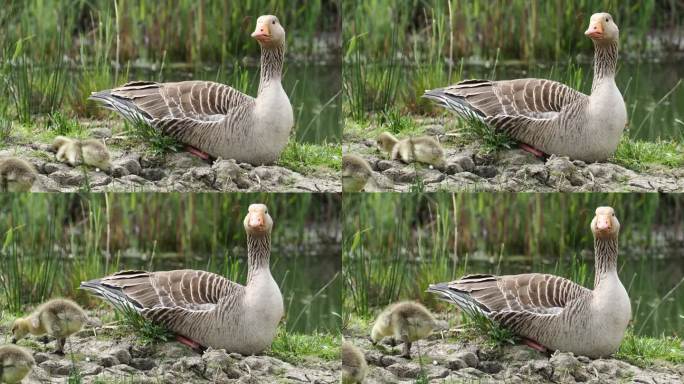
(470, 371)
(130, 163)
(486, 171)
(142, 363)
(405, 370)
(49, 168)
(437, 373)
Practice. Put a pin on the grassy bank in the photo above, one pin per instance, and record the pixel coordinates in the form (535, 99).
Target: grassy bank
(90, 236)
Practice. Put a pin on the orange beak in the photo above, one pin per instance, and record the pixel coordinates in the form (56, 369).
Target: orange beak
(262, 33)
(603, 223)
(595, 30)
(256, 220)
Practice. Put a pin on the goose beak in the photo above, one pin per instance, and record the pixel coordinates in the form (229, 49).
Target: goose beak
(603, 223)
(257, 221)
(595, 30)
(262, 33)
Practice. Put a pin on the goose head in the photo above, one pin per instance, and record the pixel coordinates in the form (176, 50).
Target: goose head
(602, 28)
(605, 225)
(269, 32)
(258, 221)
(20, 328)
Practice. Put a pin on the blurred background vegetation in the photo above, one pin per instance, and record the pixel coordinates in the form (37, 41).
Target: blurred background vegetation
(394, 51)
(395, 245)
(55, 53)
(50, 243)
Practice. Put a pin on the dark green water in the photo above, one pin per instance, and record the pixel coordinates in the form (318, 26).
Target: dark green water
(642, 84)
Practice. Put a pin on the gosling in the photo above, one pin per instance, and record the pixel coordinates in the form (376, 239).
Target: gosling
(407, 321)
(59, 318)
(422, 149)
(15, 364)
(75, 152)
(354, 366)
(355, 173)
(16, 175)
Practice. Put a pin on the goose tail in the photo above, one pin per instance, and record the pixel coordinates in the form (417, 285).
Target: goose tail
(461, 299)
(121, 105)
(454, 103)
(112, 295)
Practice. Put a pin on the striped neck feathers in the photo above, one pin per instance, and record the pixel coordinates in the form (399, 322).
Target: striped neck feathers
(605, 254)
(605, 62)
(258, 254)
(271, 65)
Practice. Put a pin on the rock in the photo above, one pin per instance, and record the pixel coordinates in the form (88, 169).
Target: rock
(142, 363)
(492, 366)
(49, 168)
(541, 367)
(229, 176)
(54, 367)
(516, 157)
(564, 364)
(40, 357)
(433, 129)
(454, 363)
(486, 171)
(129, 165)
(383, 165)
(173, 350)
(120, 353)
(453, 168)
(98, 179)
(469, 358)
(472, 372)
(153, 174)
(183, 160)
(405, 370)
(109, 361)
(71, 177)
(189, 364)
(100, 133)
(465, 162)
(218, 363)
(435, 373)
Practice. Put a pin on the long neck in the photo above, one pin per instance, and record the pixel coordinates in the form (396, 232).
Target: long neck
(271, 65)
(605, 253)
(605, 62)
(258, 255)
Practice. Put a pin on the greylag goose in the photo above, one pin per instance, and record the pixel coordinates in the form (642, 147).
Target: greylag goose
(58, 318)
(74, 152)
(550, 311)
(406, 321)
(354, 366)
(16, 175)
(548, 116)
(422, 149)
(204, 309)
(215, 119)
(15, 364)
(355, 173)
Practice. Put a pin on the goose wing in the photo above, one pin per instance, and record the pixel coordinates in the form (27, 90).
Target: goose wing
(189, 290)
(502, 297)
(526, 109)
(177, 109)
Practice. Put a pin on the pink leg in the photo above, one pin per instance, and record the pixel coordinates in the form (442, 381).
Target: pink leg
(531, 150)
(190, 343)
(197, 152)
(534, 345)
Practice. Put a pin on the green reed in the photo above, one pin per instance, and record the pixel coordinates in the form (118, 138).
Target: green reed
(396, 245)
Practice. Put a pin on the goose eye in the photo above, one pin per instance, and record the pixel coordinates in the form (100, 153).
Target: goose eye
(273, 22)
(607, 20)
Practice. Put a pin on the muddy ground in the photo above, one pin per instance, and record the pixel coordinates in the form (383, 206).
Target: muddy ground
(136, 170)
(448, 358)
(109, 354)
(514, 170)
